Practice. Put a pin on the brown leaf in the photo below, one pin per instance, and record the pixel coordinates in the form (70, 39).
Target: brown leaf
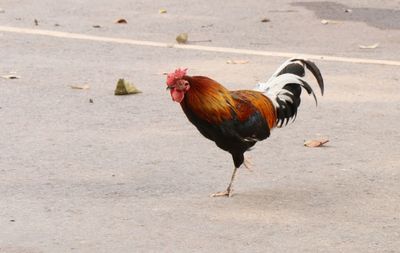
(121, 21)
(265, 20)
(237, 61)
(96, 26)
(36, 22)
(162, 11)
(182, 38)
(125, 88)
(315, 143)
(10, 76)
(80, 87)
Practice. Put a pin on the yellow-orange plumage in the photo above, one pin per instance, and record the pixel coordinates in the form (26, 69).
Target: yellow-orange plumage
(209, 100)
(260, 103)
(213, 103)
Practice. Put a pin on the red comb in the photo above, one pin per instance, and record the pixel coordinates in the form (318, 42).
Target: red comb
(177, 74)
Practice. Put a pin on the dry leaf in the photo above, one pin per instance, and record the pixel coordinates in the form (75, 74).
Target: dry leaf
(369, 46)
(182, 38)
(90, 100)
(237, 61)
(36, 22)
(96, 26)
(121, 21)
(80, 87)
(328, 21)
(162, 11)
(315, 143)
(348, 10)
(10, 76)
(125, 88)
(265, 20)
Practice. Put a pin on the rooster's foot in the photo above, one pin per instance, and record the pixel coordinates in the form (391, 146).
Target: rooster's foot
(226, 193)
(248, 163)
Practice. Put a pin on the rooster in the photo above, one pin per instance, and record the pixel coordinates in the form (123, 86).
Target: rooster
(236, 120)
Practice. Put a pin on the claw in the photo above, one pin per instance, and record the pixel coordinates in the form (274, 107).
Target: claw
(225, 193)
(228, 192)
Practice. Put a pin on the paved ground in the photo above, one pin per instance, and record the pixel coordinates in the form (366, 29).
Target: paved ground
(130, 174)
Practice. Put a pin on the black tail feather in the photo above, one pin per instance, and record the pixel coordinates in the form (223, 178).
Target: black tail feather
(288, 97)
(315, 71)
(294, 68)
(287, 109)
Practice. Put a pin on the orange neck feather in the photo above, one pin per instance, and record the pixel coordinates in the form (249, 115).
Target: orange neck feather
(208, 99)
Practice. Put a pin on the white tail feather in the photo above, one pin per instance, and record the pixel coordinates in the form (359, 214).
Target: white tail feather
(273, 87)
(282, 90)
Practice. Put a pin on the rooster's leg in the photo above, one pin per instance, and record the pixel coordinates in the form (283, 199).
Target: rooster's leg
(228, 192)
(248, 163)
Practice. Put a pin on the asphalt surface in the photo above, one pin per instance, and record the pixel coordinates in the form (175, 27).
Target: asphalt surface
(131, 174)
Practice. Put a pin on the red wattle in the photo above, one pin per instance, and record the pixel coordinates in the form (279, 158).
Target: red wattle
(177, 96)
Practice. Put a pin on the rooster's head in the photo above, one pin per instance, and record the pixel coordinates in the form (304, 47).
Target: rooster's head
(177, 85)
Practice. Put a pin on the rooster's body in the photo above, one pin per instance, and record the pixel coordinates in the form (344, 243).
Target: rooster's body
(236, 120)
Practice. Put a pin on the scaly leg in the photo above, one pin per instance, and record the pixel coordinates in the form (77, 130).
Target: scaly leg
(229, 190)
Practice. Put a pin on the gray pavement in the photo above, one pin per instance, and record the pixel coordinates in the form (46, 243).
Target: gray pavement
(131, 174)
